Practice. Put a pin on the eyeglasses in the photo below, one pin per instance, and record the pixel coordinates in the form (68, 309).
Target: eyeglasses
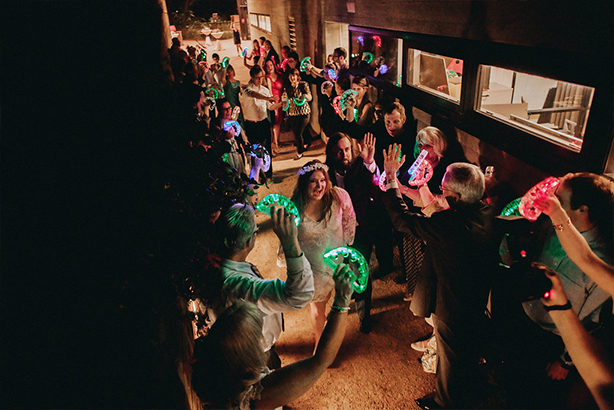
(226, 108)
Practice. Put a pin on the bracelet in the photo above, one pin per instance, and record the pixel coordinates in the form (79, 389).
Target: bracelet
(566, 306)
(341, 309)
(564, 364)
(561, 227)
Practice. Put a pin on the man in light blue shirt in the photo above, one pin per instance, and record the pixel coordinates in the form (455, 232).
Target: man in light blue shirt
(243, 281)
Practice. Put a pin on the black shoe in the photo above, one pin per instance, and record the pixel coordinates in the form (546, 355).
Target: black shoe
(365, 325)
(428, 403)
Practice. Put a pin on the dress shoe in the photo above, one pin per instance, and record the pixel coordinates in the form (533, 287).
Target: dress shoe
(365, 325)
(427, 403)
(298, 156)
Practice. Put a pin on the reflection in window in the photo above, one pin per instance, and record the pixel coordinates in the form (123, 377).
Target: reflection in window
(553, 110)
(435, 74)
(377, 55)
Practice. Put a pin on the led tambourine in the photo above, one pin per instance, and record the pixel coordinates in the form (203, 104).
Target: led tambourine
(511, 208)
(348, 97)
(265, 204)
(306, 64)
(325, 85)
(213, 92)
(285, 104)
(235, 112)
(225, 62)
(527, 204)
(421, 171)
(258, 150)
(232, 124)
(357, 262)
(368, 57)
(337, 104)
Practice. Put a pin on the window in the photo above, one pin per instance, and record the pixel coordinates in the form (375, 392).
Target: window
(553, 110)
(435, 74)
(261, 21)
(377, 55)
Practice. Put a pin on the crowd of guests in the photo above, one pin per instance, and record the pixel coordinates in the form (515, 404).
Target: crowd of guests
(451, 244)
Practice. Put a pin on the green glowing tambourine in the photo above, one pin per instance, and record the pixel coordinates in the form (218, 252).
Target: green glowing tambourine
(355, 259)
(225, 62)
(512, 208)
(265, 204)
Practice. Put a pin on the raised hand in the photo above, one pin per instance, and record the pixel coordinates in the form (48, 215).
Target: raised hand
(547, 203)
(393, 160)
(286, 230)
(367, 149)
(343, 277)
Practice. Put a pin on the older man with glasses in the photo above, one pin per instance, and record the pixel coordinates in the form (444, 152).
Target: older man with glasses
(453, 281)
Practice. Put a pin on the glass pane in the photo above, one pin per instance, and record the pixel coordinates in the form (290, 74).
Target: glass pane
(377, 55)
(435, 74)
(553, 110)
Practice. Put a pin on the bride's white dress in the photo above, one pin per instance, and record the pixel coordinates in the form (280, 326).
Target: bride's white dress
(318, 237)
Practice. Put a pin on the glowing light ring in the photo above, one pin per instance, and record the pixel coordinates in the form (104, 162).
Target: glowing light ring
(382, 181)
(369, 57)
(361, 40)
(216, 93)
(511, 208)
(337, 104)
(300, 101)
(424, 174)
(203, 54)
(417, 163)
(244, 53)
(383, 69)
(355, 260)
(306, 63)
(348, 96)
(261, 151)
(378, 41)
(211, 100)
(232, 124)
(527, 205)
(399, 81)
(225, 62)
(265, 204)
(235, 112)
(331, 74)
(324, 86)
(285, 104)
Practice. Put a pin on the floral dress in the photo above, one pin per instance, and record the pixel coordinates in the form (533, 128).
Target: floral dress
(318, 237)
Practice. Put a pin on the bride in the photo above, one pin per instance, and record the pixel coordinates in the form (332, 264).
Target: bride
(327, 222)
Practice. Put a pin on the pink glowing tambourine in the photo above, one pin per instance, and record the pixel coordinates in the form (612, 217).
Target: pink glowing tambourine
(527, 204)
(382, 181)
(337, 104)
(421, 171)
(235, 112)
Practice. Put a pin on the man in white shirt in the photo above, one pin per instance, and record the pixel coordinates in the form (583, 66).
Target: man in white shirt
(243, 281)
(257, 101)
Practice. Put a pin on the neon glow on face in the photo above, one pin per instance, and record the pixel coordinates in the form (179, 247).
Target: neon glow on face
(317, 186)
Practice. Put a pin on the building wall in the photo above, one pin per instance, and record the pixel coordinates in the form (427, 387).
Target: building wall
(566, 25)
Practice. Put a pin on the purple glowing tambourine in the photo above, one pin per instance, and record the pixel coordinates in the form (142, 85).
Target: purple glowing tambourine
(527, 204)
